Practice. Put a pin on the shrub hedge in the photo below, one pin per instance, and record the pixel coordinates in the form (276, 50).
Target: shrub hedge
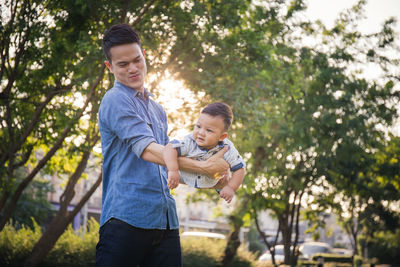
(333, 258)
(78, 249)
(73, 249)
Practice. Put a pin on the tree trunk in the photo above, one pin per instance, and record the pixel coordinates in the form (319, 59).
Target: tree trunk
(295, 253)
(3, 200)
(236, 220)
(271, 247)
(286, 232)
(231, 246)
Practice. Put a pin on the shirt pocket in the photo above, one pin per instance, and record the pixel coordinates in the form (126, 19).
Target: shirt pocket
(160, 131)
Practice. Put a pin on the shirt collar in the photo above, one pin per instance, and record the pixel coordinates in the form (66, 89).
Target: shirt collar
(220, 144)
(136, 93)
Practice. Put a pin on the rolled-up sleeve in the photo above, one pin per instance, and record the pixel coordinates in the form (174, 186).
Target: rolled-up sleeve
(120, 114)
(233, 157)
(184, 146)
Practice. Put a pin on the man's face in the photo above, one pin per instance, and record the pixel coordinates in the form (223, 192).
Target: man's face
(128, 65)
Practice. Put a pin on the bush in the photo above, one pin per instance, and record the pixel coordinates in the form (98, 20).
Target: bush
(72, 249)
(15, 245)
(303, 263)
(78, 249)
(199, 252)
(385, 246)
(75, 249)
(333, 258)
(244, 258)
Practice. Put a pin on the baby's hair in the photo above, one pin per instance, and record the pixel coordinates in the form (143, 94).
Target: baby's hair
(220, 109)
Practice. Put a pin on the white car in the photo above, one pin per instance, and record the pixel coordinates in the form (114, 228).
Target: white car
(307, 250)
(342, 251)
(203, 234)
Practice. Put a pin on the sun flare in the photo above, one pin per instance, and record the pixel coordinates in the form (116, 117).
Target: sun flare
(181, 105)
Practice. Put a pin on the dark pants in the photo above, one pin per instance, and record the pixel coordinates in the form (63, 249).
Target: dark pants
(122, 245)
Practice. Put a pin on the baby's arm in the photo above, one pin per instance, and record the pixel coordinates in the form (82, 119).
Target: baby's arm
(228, 191)
(170, 156)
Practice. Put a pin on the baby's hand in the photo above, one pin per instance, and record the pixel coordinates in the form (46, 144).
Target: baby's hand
(227, 193)
(173, 179)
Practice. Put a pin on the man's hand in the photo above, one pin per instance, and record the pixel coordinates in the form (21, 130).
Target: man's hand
(216, 166)
(173, 179)
(227, 193)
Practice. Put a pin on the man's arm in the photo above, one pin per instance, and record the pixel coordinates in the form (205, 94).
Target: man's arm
(214, 165)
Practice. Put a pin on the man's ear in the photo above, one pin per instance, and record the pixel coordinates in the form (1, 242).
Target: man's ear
(144, 52)
(107, 63)
(223, 136)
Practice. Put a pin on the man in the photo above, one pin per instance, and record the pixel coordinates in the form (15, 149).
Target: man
(139, 223)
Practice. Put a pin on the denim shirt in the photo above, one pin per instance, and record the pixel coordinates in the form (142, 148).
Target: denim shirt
(134, 190)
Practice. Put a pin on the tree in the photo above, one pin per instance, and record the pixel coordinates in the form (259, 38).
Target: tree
(305, 115)
(299, 110)
(44, 73)
(34, 204)
(45, 58)
(367, 105)
(373, 200)
(66, 66)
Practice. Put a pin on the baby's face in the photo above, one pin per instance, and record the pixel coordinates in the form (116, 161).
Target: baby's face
(209, 130)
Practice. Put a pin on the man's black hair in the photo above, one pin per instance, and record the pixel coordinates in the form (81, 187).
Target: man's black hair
(119, 34)
(220, 109)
